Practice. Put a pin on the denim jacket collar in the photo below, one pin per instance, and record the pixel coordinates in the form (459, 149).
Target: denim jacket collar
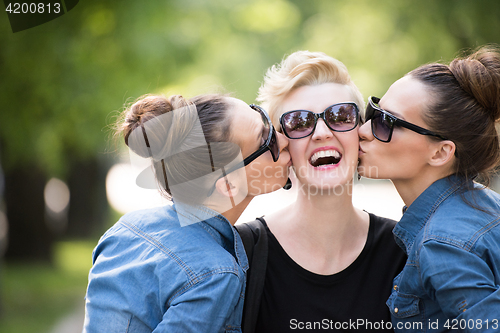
(216, 225)
(418, 213)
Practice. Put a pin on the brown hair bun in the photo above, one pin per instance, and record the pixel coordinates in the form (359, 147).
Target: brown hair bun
(174, 133)
(479, 75)
(148, 108)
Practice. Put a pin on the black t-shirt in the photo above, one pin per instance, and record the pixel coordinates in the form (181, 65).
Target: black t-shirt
(353, 300)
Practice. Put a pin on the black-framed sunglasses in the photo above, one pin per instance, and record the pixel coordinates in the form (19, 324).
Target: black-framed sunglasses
(271, 143)
(341, 117)
(383, 122)
(269, 133)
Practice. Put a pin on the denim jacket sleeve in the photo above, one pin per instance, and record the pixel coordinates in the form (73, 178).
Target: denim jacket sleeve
(460, 281)
(203, 307)
(211, 299)
(138, 284)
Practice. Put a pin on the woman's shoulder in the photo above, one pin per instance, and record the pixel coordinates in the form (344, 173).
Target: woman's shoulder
(137, 230)
(146, 216)
(465, 220)
(133, 223)
(157, 234)
(381, 225)
(474, 208)
(383, 242)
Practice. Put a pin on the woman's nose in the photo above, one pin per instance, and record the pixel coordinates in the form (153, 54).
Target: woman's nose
(365, 131)
(321, 131)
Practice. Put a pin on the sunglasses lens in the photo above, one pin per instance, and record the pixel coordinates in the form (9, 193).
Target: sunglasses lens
(382, 125)
(342, 117)
(298, 124)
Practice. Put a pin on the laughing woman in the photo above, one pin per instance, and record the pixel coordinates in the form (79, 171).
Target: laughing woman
(432, 134)
(328, 262)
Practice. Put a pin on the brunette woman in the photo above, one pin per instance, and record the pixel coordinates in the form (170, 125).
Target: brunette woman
(433, 134)
(181, 268)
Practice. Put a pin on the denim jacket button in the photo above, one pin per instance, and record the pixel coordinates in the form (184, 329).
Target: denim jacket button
(395, 287)
(396, 310)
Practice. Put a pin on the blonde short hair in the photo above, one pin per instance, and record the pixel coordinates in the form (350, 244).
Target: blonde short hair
(302, 68)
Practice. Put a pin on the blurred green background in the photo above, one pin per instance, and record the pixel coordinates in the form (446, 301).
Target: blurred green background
(63, 83)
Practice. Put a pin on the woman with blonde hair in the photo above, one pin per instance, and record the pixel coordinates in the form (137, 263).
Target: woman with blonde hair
(182, 267)
(329, 264)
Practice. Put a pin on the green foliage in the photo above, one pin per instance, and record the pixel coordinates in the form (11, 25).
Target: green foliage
(61, 80)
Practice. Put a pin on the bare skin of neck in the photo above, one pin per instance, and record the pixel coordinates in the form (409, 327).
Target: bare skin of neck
(324, 234)
(410, 189)
(234, 213)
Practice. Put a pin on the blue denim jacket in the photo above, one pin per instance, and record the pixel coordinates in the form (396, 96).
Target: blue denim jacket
(452, 276)
(150, 274)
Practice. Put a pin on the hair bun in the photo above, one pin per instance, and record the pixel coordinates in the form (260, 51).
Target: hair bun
(149, 108)
(479, 75)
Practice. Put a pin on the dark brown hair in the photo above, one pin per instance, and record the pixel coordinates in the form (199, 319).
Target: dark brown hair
(466, 108)
(173, 143)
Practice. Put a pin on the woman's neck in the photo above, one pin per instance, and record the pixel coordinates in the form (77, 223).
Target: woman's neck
(322, 233)
(234, 213)
(410, 189)
(324, 211)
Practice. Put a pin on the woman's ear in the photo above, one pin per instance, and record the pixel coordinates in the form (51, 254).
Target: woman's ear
(443, 153)
(226, 188)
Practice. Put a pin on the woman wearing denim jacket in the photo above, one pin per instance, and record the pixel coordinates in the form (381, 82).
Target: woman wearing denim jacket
(181, 268)
(433, 133)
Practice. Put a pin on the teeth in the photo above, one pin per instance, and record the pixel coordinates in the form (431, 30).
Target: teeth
(324, 153)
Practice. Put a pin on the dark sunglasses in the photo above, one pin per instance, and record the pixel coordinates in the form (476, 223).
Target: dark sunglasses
(383, 122)
(341, 117)
(270, 143)
(269, 134)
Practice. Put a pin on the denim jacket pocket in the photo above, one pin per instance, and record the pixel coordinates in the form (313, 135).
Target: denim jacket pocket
(403, 305)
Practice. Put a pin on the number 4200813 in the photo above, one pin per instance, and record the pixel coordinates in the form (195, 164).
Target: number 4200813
(471, 324)
(33, 8)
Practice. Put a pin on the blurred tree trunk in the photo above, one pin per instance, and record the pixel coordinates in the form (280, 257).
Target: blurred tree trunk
(88, 206)
(29, 236)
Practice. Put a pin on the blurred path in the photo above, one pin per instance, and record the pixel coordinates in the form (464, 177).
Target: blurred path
(71, 323)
